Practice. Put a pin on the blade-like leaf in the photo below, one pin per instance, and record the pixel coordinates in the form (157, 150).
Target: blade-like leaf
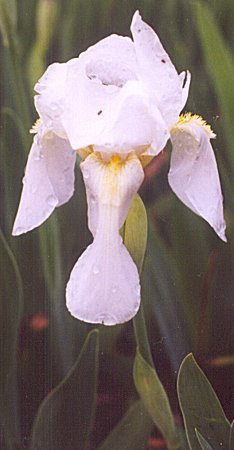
(220, 65)
(132, 432)
(11, 302)
(201, 407)
(65, 417)
(155, 399)
(135, 231)
(202, 441)
(231, 437)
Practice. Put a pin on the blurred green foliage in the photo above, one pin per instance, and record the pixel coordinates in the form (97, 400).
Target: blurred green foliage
(188, 274)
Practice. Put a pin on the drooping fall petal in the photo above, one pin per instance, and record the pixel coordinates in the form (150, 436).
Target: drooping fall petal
(193, 174)
(48, 181)
(104, 284)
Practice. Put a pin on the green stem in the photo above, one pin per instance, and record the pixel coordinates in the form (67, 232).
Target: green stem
(141, 336)
(21, 102)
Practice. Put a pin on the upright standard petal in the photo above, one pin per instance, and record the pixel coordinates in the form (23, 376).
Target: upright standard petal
(48, 181)
(104, 284)
(111, 118)
(157, 71)
(193, 174)
(50, 101)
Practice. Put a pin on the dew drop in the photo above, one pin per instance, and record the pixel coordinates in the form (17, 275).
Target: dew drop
(138, 290)
(51, 201)
(114, 290)
(95, 270)
(38, 155)
(85, 174)
(92, 199)
(24, 180)
(33, 188)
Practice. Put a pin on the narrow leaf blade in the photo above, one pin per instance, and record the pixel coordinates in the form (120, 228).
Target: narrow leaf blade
(155, 399)
(65, 417)
(11, 303)
(132, 431)
(135, 231)
(202, 441)
(220, 65)
(201, 407)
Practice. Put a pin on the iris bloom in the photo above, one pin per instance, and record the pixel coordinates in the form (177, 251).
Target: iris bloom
(115, 105)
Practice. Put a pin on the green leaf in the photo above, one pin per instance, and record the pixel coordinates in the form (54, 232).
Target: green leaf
(220, 65)
(132, 432)
(65, 417)
(231, 437)
(201, 407)
(202, 441)
(46, 21)
(8, 20)
(135, 231)
(11, 303)
(155, 399)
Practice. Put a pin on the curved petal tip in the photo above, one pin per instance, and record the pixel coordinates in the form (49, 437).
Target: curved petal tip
(102, 289)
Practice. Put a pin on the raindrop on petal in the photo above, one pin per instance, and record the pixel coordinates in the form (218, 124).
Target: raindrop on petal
(138, 290)
(114, 290)
(95, 270)
(51, 201)
(33, 188)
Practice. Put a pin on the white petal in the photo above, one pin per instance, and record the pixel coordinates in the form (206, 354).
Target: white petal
(134, 121)
(48, 181)
(157, 70)
(111, 118)
(194, 175)
(51, 99)
(104, 284)
(112, 61)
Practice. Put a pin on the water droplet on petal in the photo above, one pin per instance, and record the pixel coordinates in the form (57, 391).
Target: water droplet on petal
(114, 289)
(95, 270)
(85, 174)
(92, 199)
(33, 188)
(24, 180)
(138, 290)
(38, 155)
(51, 201)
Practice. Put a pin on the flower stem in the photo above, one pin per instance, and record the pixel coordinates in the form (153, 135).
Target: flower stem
(141, 336)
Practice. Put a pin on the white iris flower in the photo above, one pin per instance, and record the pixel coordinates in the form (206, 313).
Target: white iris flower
(114, 105)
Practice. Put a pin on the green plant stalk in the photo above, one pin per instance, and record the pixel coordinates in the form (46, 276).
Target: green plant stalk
(134, 233)
(141, 336)
(21, 102)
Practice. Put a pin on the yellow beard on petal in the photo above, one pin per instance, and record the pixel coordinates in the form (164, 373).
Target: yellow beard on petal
(35, 126)
(187, 118)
